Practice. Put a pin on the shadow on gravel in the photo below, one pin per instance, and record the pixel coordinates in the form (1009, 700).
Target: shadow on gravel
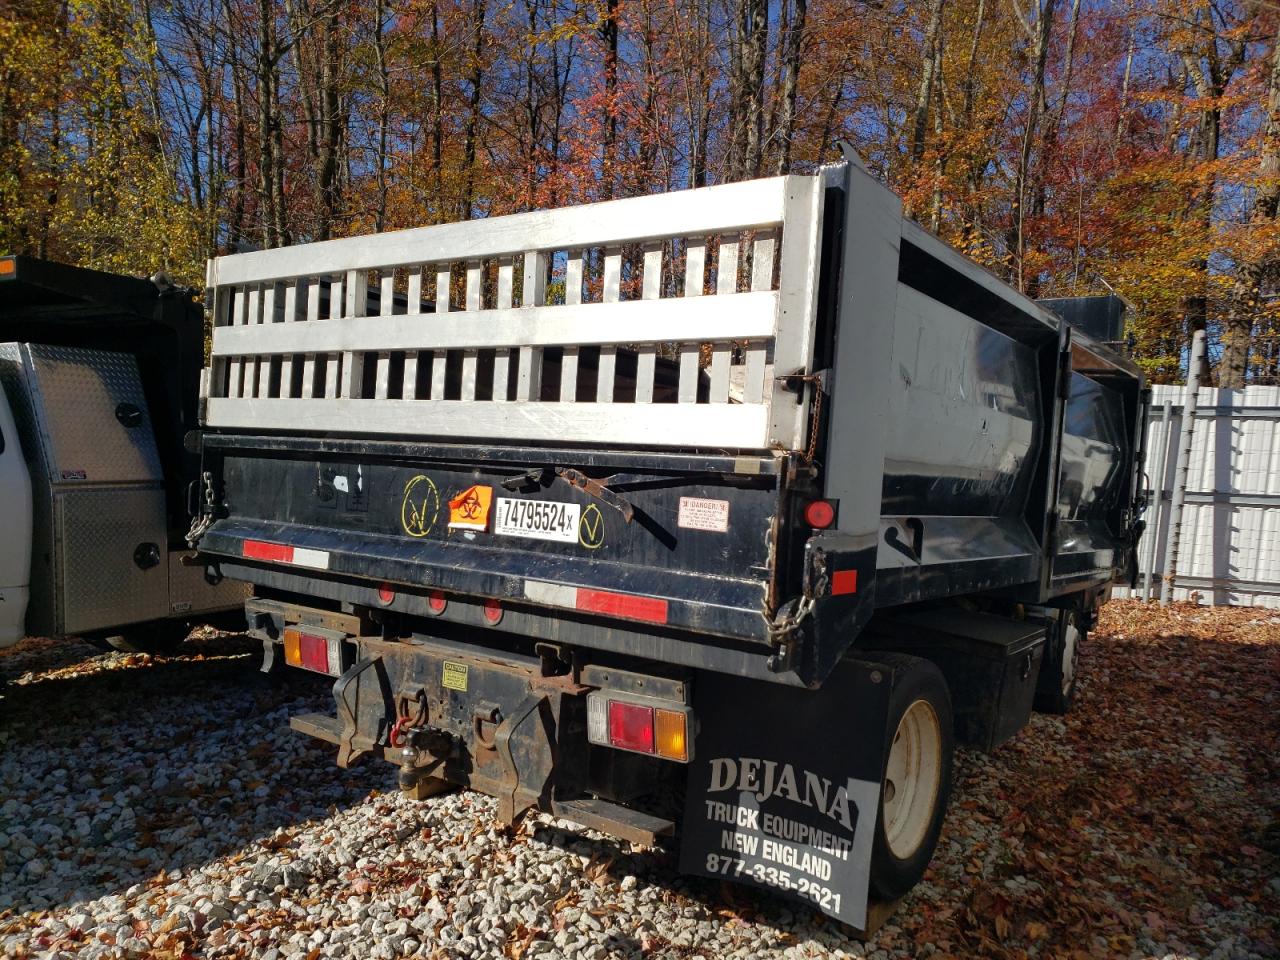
(720, 900)
(116, 768)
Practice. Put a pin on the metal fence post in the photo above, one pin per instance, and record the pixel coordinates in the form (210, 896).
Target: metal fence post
(1159, 475)
(1183, 467)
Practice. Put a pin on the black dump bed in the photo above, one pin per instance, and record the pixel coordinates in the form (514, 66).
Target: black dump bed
(607, 424)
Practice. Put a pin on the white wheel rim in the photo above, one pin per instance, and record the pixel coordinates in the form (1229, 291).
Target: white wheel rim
(911, 779)
(1070, 655)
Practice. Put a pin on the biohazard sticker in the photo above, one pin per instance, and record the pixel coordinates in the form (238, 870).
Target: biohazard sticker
(469, 510)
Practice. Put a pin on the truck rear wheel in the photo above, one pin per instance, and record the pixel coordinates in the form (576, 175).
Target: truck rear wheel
(916, 783)
(1056, 690)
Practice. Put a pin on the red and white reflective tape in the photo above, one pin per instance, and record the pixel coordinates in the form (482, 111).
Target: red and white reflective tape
(283, 553)
(628, 605)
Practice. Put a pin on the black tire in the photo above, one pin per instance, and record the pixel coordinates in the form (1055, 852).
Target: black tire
(893, 873)
(1060, 668)
(158, 636)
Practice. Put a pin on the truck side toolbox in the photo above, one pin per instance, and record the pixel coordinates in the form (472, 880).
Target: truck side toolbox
(991, 664)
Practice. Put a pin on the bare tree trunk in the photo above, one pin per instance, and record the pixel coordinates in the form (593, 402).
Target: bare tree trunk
(924, 94)
(608, 150)
(1247, 293)
(266, 117)
(384, 110)
(1053, 123)
(1122, 119)
(755, 25)
(437, 97)
(792, 45)
(473, 115)
(1038, 35)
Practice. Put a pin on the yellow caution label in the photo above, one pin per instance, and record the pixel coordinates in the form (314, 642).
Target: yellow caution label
(454, 676)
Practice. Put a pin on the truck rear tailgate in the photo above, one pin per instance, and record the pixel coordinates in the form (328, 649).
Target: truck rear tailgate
(683, 541)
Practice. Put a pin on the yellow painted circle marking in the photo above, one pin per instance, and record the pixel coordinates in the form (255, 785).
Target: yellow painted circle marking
(420, 506)
(591, 528)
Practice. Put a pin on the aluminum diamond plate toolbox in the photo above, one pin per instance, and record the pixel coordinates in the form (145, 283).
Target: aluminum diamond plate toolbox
(112, 570)
(95, 417)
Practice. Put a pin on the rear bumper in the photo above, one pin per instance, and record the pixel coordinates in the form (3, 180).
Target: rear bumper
(715, 605)
(496, 723)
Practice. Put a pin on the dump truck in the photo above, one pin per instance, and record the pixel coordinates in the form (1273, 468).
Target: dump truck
(718, 516)
(99, 377)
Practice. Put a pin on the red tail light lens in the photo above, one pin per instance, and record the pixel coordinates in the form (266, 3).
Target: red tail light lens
(386, 594)
(820, 514)
(631, 726)
(436, 601)
(314, 652)
(492, 610)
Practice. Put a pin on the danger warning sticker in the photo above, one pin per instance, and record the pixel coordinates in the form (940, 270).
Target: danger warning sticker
(697, 513)
(469, 510)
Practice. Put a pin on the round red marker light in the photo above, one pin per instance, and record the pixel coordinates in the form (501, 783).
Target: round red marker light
(386, 594)
(436, 601)
(492, 610)
(820, 514)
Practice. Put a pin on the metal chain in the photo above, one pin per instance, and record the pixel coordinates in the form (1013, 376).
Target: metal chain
(779, 630)
(202, 521)
(815, 421)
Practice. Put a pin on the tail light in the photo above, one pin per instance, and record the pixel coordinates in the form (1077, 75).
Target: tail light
(820, 514)
(492, 610)
(386, 595)
(315, 649)
(436, 602)
(640, 725)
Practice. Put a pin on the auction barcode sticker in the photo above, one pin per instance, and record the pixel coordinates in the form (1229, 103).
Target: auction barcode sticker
(697, 513)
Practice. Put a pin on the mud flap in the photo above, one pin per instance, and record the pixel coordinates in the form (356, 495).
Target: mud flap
(785, 798)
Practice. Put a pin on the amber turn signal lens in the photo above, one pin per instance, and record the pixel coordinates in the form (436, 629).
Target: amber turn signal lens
(670, 734)
(293, 647)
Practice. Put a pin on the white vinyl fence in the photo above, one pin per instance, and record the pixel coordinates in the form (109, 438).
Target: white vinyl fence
(1230, 546)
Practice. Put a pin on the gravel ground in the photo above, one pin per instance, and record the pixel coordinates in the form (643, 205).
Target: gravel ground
(160, 807)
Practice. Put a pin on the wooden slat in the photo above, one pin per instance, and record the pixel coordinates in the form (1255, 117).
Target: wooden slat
(387, 294)
(444, 292)
(382, 376)
(335, 296)
(757, 351)
(529, 374)
(291, 291)
(726, 208)
(331, 373)
(313, 299)
(309, 376)
(652, 424)
(726, 286)
(502, 356)
(695, 259)
(647, 353)
(253, 311)
(268, 316)
(729, 317)
(414, 308)
(357, 305)
(610, 291)
(475, 281)
(572, 297)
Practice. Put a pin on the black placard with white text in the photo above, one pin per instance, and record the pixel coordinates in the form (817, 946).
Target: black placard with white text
(784, 786)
